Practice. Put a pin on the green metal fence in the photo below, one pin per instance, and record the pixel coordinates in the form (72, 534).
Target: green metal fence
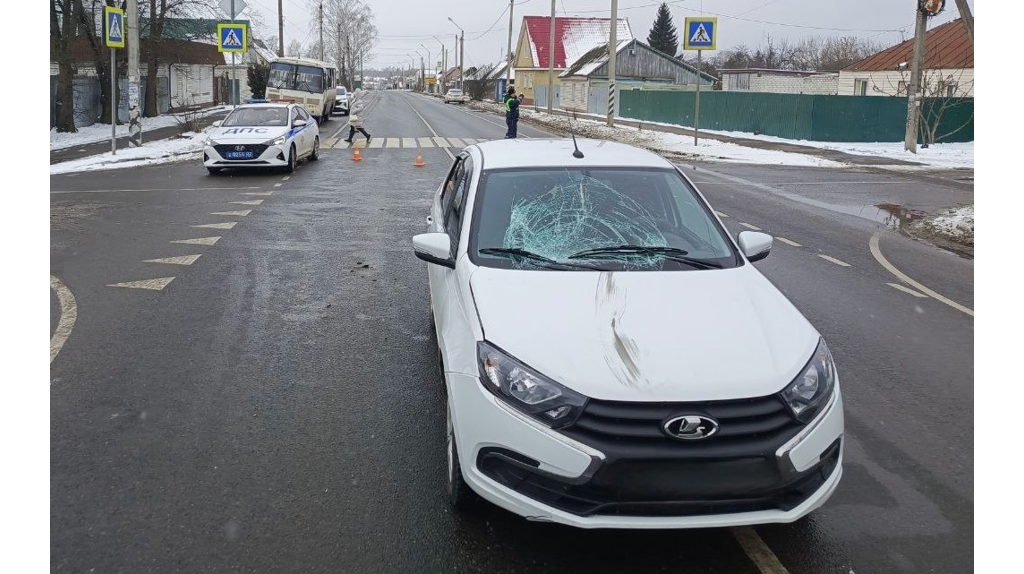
(801, 116)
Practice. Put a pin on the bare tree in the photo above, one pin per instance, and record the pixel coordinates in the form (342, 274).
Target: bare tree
(349, 35)
(64, 26)
(294, 49)
(158, 13)
(92, 30)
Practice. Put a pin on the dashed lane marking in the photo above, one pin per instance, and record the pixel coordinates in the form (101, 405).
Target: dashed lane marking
(877, 253)
(758, 551)
(151, 284)
(834, 260)
(720, 214)
(227, 225)
(249, 202)
(278, 184)
(789, 242)
(258, 193)
(242, 213)
(906, 289)
(180, 260)
(68, 316)
(749, 226)
(199, 240)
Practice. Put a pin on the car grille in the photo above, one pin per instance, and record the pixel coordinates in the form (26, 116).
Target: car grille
(756, 426)
(256, 149)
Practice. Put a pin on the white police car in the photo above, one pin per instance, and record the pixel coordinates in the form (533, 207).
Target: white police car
(262, 134)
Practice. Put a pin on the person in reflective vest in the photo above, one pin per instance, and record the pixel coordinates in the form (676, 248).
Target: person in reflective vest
(511, 112)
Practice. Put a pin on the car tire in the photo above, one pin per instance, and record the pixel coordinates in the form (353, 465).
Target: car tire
(290, 168)
(213, 170)
(315, 154)
(460, 495)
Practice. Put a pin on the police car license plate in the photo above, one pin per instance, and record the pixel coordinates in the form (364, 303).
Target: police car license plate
(238, 155)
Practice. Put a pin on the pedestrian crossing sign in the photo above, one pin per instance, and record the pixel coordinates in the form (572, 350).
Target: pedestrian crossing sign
(113, 29)
(232, 37)
(701, 33)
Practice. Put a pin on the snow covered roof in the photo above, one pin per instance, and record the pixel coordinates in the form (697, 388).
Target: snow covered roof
(574, 37)
(593, 59)
(499, 72)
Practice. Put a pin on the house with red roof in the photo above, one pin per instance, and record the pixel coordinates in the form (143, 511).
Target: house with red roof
(948, 69)
(574, 38)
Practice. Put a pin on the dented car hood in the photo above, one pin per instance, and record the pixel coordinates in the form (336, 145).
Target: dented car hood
(652, 336)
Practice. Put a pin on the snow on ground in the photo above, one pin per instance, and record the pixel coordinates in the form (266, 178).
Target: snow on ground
(957, 224)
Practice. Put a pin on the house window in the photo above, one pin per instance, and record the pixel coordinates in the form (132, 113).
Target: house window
(860, 87)
(742, 81)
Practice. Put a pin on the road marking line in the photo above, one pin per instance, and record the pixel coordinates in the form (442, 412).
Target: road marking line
(720, 214)
(456, 142)
(907, 290)
(834, 260)
(329, 142)
(286, 178)
(257, 193)
(789, 242)
(341, 144)
(877, 253)
(749, 226)
(758, 551)
(68, 316)
(440, 141)
(242, 213)
(278, 185)
(249, 202)
(432, 130)
(180, 260)
(377, 143)
(393, 142)
(426, 142)
(147, 190)
(408, 142)
(199, 240)
(152, 284)
(227, 225)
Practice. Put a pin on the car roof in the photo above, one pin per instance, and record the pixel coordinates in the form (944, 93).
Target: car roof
(557, 152)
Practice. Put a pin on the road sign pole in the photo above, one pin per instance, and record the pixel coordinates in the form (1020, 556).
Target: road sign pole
(113, 102)
(696, 103)
(234, 73)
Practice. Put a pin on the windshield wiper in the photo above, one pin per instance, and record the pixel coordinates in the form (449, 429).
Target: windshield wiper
(519, 252)
(673, 253)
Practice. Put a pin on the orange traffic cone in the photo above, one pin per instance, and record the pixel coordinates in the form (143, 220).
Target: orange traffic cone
(419, 159)
(356, 156)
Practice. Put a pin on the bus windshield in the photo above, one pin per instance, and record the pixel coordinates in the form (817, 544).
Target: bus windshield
(284, 76)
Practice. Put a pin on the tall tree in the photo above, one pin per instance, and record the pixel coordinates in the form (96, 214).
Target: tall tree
(63, 33)
(93, 32)
(663, 36)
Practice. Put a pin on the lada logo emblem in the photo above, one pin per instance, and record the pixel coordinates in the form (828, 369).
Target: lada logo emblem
(690, 427)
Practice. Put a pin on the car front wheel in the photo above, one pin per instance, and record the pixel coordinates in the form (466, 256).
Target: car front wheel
(460, 496)
(315, 154)
(291, 160)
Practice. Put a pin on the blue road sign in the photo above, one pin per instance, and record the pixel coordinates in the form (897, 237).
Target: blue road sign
(701, 34)
(113, 33)
(232, 37)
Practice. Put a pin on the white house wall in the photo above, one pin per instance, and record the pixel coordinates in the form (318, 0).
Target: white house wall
(887, 82)
(824, 84)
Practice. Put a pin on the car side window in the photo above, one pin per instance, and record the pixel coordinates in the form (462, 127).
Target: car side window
(447, 191)
(454, 217)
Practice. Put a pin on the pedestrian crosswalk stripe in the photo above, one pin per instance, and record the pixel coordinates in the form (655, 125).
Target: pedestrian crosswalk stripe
(408, 142)
(456, 142)
(394, 142)
(418, 142)
(426, 142)
(440, 142)
(376, 143)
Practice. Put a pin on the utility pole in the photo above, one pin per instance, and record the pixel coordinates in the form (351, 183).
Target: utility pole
(462, 59)
(913, 91)
(508, 64)
(551, 58)
(134, 113)
(280, 28)
(967, 18)
(613, 43)
(423, 75)
(321, 31)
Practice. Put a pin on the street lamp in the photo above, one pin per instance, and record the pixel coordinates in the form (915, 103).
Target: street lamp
(462, 54)
(428, 58)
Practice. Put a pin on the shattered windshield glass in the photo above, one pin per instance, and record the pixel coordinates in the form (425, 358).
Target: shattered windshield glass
(614, 218)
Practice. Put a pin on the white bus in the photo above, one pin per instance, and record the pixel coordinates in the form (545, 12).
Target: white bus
(304, 81)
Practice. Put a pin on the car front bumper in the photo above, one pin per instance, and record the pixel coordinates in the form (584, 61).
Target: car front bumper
(262, 155)
(541, 474)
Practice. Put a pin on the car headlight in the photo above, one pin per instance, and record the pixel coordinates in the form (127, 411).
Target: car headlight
(813, 387)
(278, 140)
(526, 389)
(210, 142)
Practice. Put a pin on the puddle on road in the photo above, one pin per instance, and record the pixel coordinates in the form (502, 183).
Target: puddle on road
(891, 215)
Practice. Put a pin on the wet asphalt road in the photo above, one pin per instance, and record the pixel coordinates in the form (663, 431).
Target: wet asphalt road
(276, 407)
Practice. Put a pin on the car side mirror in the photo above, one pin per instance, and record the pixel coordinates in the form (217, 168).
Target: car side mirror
(216, 124)
(299, 123)
(434, 248)
(754, 245)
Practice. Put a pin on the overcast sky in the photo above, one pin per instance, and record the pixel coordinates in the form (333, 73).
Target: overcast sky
(403, 25)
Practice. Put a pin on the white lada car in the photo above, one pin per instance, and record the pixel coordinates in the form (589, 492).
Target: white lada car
(272, 134)
(611, 357)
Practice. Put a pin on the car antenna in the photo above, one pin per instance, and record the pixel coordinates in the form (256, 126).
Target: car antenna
(577, 153)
